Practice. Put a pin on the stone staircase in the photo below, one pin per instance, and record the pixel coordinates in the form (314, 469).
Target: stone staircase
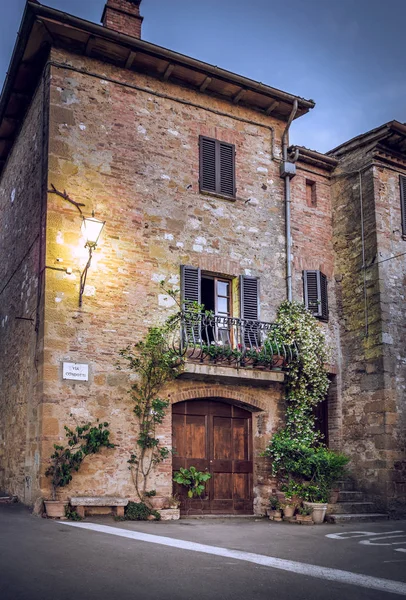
(351, 506)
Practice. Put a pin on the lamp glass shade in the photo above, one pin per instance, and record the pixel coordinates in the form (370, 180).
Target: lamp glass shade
(91, 230)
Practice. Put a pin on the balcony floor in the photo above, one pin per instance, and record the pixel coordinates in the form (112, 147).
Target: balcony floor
(229, 374)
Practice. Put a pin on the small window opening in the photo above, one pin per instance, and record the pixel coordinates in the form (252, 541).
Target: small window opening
(311, 196)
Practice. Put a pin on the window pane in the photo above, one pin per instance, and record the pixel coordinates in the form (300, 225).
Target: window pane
(222, 305)
(222, 288)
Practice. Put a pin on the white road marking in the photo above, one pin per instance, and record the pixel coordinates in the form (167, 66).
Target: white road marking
(377, 541)
(337, 575)
(400, 550)
(348, 535)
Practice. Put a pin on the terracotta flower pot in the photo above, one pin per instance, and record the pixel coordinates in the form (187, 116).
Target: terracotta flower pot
(278, 362)
(55, 509)
(304, 518)
(289, 510)
(157, 502)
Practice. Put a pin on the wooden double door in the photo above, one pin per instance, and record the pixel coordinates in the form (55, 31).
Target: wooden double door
(214, 436)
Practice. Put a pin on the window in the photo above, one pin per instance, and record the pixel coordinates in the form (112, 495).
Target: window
(403, 203)
(315, 293)
(311, 197)
(215, 293)
(217, 167)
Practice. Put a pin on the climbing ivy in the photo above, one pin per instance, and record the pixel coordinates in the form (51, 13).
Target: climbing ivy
(306, 384)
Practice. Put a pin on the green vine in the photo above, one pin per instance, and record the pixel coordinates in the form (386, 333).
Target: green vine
(306, 379)
(155, 363)
(82, 441)
(300, 459)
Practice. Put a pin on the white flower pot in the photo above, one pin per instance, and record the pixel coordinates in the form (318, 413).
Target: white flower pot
(318, 511)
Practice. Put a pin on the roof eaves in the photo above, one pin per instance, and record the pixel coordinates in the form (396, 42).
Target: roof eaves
(369, 137)
(161, 52)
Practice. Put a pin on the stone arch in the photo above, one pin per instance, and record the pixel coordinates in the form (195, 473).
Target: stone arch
(219, 391)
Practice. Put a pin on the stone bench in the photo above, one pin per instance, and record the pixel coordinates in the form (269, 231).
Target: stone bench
(80, 503)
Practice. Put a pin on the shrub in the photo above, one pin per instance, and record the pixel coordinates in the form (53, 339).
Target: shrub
(139, 511)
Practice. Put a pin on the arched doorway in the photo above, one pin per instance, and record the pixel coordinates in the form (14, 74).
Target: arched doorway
(211, 434)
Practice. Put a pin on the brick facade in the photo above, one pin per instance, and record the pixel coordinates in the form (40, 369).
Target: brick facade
(123, 16)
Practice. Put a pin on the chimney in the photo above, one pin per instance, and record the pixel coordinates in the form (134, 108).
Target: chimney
(123, 16)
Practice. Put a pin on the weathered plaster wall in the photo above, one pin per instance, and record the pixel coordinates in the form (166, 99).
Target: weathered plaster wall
(21, 196)
(132, 157)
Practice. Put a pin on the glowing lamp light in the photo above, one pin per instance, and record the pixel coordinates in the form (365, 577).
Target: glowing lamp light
(91, 230)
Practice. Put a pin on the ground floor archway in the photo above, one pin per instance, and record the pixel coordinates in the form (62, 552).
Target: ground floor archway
(216, 436)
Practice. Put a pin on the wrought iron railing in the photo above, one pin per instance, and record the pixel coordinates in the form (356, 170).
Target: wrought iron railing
(229, 340)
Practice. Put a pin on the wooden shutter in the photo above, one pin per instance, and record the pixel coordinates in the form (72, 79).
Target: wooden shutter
(227, 166)
(190, 279)
(190, 285)
(311, 292)
(217, 167)
(249, 302)
(323, 296)
(403, 202)
(249, 297)
(315, 293)
(207, 164)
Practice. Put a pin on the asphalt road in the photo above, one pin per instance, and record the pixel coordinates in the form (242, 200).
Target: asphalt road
(43, 559)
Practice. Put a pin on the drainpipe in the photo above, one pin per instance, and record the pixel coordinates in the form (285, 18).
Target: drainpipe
(287, 172)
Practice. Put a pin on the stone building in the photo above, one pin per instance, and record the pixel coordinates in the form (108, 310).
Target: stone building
(189, 167)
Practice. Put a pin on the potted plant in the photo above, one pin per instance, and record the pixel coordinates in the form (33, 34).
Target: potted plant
(155, 502)
(316, 498)
(273, 351)
(274, 511)
(304, 514)
(292, 492)
(82, 441)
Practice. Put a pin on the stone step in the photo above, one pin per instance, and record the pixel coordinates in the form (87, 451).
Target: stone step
(345, 485)
(354, 518)
(347, 496)
(346, 508)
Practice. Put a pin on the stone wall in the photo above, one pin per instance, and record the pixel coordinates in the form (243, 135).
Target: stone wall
(392, 285)
(21, 305)
(372, 321)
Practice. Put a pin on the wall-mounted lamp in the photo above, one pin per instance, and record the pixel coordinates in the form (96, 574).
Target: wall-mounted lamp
(91, 230)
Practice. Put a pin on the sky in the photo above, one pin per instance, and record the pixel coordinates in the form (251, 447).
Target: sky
(347, 55)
